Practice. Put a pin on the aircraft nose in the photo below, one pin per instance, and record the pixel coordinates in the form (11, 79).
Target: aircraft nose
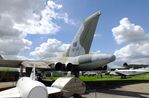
(113, 57)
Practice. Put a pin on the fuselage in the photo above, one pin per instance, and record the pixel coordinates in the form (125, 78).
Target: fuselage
(130, 72)
(86, 61)
(94, 61)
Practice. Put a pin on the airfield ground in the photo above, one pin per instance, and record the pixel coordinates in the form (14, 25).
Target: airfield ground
(129, 89)
(117, 90)
(5, 85)
(115, 87)
(111, 87)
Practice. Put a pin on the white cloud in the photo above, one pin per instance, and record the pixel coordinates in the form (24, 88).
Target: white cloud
(51, 48)
(18, 18)
(14, 46)
(43, 22)
(134, 53)
(66, 19)
(128, 32)
(97, 35)
(137, 48)
(12, 42)
(53, 5)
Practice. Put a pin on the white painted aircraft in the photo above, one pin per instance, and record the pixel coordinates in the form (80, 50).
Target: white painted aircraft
(28, 87)
(129, 72)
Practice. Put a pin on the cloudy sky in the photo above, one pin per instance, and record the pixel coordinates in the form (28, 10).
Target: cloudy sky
(35, 29)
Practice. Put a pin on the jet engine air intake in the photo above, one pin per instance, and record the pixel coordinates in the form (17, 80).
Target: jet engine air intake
(69, 67)
(63, 67)
(59, 66)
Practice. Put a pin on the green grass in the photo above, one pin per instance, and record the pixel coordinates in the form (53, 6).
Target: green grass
(114, 78)
(110, 78)
(95, 78)
(52, 78)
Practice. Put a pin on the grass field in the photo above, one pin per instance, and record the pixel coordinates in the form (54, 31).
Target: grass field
(111, 78)
(114, 78)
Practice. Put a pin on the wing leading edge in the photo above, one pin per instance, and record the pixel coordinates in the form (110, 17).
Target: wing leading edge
(10, 93)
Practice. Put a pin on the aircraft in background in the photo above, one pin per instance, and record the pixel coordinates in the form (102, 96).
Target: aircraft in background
(129, 72)
(134, 66)
(76, 58)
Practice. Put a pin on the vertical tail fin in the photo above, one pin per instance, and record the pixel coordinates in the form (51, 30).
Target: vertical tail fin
(82, 42)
